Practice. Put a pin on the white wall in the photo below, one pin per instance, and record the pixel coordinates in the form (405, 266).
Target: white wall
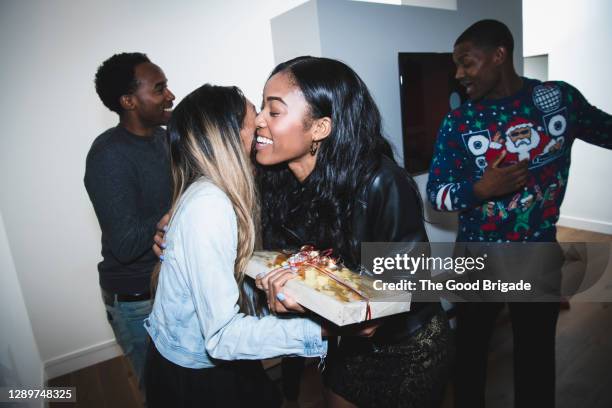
(20, 363)
(536, 67)
(299, 30)
(577, 38)
(51, 114)
(368, 37)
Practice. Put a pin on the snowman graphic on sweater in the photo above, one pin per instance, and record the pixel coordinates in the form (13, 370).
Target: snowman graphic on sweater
(522, 142)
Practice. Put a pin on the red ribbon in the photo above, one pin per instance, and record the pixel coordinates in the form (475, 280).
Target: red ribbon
(319, 260)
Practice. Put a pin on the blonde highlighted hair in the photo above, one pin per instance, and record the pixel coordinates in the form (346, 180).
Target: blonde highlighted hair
(204, 135)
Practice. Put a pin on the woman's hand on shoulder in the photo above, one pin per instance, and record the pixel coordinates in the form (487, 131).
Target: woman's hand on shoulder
(158, 239)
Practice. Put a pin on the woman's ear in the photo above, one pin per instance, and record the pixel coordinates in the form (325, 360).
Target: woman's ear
(321, 128)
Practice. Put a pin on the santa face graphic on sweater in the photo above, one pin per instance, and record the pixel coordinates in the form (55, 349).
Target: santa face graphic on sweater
(522, 139)
(522, 142)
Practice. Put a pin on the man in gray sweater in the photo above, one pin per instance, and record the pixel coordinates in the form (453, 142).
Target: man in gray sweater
(128, 180)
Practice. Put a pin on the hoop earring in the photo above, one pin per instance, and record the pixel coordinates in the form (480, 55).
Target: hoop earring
(314, 146)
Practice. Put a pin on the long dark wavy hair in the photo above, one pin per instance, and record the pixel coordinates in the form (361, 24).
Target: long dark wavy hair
(321, 207)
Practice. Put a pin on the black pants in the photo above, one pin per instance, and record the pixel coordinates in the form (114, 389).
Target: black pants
(533, 327)
(231, 384)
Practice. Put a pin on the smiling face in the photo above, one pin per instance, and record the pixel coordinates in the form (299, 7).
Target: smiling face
(284, 127)
(478, 69)
(151, 102)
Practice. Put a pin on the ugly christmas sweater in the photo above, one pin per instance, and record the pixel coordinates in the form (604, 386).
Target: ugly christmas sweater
(539, 123)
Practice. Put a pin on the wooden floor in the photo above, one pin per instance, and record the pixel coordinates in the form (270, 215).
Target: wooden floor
(109, 384)
(573, 235)
(584, 362)
(584, 349)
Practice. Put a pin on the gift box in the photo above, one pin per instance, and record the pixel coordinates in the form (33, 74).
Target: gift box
(329, 289)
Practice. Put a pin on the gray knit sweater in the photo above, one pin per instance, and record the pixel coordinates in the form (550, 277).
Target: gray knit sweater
(128, 181)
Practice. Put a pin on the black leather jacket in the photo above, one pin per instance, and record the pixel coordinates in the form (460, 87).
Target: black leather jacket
(388, 209)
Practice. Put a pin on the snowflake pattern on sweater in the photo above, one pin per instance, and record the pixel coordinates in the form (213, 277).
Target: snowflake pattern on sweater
(539, 123)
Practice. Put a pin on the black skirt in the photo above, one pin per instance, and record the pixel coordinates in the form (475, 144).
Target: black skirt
(231, 384)
(411, 371)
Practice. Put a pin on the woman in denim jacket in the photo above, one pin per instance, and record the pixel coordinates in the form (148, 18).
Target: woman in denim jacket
(203, 316)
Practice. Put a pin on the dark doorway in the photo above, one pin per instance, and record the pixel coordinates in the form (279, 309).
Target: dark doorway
(428, 91)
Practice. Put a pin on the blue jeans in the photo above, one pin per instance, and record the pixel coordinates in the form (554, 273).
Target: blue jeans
(127, 321)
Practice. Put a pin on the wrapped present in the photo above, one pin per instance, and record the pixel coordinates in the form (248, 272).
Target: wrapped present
(329, 289)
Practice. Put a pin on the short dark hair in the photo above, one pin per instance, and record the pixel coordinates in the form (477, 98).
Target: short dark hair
(488, 34)
(115, 77)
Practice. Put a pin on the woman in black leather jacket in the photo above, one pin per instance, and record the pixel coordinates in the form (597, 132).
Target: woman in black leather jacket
(327, 177)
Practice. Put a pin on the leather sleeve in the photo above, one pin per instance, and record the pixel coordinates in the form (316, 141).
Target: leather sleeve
(394, 213)
(394, 208)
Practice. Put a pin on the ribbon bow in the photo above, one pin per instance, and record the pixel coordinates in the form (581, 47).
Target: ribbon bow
(321, 261)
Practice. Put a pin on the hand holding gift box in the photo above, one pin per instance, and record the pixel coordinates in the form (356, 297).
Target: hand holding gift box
(321, 284)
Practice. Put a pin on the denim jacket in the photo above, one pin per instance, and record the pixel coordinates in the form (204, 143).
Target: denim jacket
(195, 319)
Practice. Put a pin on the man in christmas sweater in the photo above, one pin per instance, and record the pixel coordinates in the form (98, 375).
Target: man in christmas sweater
(502, 149)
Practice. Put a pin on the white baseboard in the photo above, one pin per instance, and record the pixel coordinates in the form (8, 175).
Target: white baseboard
(82, 358)
(585, 224)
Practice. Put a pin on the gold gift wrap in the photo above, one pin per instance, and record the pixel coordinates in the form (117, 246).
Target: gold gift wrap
(329, 289)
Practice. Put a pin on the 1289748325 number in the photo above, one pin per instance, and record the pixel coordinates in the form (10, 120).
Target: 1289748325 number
(63, 394)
